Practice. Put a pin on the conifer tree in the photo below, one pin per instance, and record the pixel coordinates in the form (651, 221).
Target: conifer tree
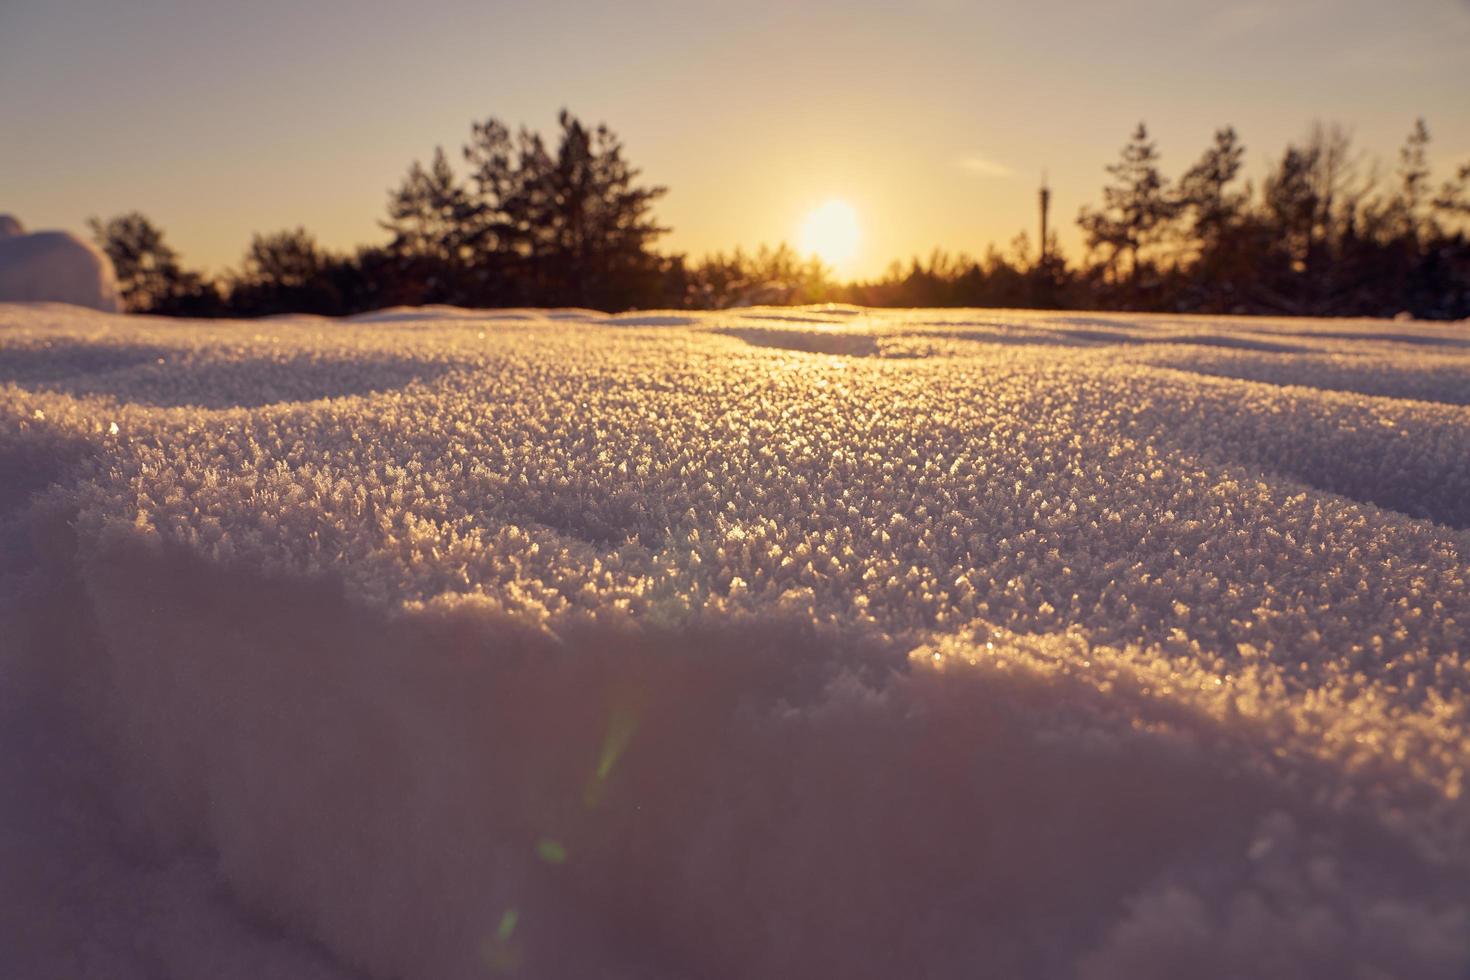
(1414, 192)
(1136, 207)
(574, 223)
(148, 271)
(430, 213)
(1206, 197)
(288, 259)
(1291, 205)
(288, 272)
(1453, 199)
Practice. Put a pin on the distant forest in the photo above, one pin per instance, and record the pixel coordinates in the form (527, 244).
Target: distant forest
(1327, 232)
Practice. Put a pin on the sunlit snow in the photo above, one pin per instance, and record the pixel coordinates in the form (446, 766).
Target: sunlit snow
(770, 643)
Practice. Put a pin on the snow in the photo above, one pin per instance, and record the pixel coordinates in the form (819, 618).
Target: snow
(54, 266)
(766, 643)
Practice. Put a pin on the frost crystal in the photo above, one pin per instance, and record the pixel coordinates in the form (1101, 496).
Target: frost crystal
(773, 642)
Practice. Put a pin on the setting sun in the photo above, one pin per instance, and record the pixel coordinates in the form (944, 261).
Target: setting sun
(830, 233)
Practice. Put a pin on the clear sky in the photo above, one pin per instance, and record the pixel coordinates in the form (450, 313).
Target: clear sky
(933, 118)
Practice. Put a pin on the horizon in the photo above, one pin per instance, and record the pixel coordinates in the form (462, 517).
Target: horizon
(223, 145)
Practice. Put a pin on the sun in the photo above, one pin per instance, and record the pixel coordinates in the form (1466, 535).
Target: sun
(831, 233)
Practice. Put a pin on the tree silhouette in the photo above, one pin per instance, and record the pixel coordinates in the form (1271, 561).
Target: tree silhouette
(531, 223)
(1136, 207)
(430, 212)
(148, 272)
(290, 259)
(1291, 202)
(287, 272)
(434, 222)
(573, 224)
(1453, 199)
(1206, 196)
(1413, 173)
(509, 174)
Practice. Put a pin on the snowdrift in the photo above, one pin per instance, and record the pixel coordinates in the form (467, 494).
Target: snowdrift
(769, 644)
(55, 267)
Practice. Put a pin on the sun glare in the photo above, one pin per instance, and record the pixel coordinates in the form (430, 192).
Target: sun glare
(830, 233)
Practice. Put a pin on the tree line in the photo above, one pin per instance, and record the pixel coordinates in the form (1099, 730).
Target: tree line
(523, 222)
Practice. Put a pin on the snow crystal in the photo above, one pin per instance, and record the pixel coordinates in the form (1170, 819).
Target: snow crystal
(762, 643)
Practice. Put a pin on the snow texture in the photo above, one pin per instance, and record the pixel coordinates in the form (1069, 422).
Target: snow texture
(769, 643)
(54, 267)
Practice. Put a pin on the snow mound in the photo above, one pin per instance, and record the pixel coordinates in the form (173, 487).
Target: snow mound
(54, 266)
(551, 644)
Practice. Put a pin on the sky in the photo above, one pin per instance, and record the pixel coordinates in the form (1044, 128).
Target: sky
(933, 119)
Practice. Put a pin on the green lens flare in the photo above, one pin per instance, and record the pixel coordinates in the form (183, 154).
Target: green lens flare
(620, 728)
(551, 851)
(507, 924)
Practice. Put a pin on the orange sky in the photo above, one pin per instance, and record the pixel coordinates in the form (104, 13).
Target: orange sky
(934, 119)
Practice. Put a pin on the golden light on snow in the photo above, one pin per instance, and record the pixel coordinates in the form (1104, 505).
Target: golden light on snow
(831, 233)
(589, 620)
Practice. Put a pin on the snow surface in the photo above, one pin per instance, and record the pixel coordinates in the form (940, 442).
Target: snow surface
(56, 267)
(778, 643)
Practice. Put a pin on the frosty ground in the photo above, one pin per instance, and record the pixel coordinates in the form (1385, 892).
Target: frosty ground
(770, 643)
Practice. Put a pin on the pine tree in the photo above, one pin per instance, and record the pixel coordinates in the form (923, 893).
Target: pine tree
(507, 200)
(601, 226)
(1453, 199)
(428, 212)
(1136, 207)
(288, 272)
(1291, 205)
(1205, 196)
(288, 259)
(574, 225)
(148, 271)
(1414, 190)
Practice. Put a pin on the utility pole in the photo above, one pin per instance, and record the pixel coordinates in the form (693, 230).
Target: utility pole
(1045, 207)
